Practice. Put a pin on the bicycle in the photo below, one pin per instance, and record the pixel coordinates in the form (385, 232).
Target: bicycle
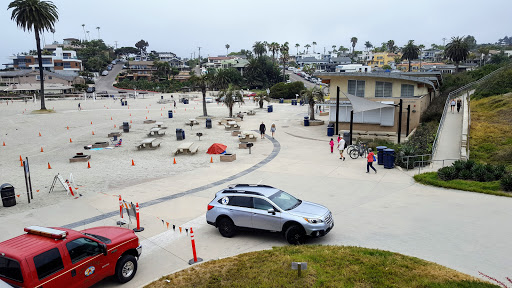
(353, 146)
(360, 150)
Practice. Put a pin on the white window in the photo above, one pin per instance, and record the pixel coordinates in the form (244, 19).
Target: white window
(383, 89)
(356, 87)
(407, 90)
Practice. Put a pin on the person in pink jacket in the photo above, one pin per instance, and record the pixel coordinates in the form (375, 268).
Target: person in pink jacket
(370, 159)
(332, 145)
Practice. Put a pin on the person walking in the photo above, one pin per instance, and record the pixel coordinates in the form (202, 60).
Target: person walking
(262, 130)
(273, 129)
(174, 104)
(79, 108)
(459, 104)
(332, 145)
(371, 159)
(452, 104)
(341, 147)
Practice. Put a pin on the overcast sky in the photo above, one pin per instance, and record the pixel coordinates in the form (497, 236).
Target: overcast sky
(182, 26)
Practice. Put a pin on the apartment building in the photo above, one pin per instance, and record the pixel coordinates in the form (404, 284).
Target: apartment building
(61, 61)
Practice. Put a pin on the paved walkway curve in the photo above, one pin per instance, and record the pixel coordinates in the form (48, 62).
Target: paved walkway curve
(273, 154)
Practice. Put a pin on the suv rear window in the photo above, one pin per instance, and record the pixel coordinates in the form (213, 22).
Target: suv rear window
(48, 263)
(10, 269)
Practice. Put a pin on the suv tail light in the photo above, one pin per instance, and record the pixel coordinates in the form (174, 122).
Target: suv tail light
(210, 207)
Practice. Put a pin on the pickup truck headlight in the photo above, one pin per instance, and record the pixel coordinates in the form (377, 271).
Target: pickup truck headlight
(314, 220)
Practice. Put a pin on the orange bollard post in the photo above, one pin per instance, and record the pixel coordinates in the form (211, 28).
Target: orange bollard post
(195, 259)
(120, 206)
(138, 229)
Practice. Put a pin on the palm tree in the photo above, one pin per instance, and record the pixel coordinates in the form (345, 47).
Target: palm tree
(85, 34)
(230, 96)
(368, 45)
(333, 48)
(260, 97)
(311, 96)
(314, 44)
(391, 45)
(353, 40)
(410, 52)
(227, 49)
(202, 81)
(307, 48)
(484, 51)
(273, 47)
(98, 28)
(285, 57)
(39, 16)
(259, 48)
(297, 46)
(421, 47)
(457, 50)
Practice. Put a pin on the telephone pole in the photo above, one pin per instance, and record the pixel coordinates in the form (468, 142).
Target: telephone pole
(199, 57)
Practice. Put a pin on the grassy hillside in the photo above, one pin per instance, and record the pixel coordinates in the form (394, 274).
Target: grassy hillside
(328, 266)
(491, 130)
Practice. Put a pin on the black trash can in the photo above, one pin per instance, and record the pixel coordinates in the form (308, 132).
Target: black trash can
(180, 134)
(380, 154)
(330, 130)
(306, 121)
(346, 137)
(125, 102)
(126, 127)
(169, 112)
(281, 100)
(389, 158)
(8, 196)
(208, 123)
(270, 108)
(162, 97)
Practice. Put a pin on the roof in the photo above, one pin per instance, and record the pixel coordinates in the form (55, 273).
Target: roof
(37, 86)
(15, 73)
(25, 245)
(341, 59)
(386, 75)
(221, 58)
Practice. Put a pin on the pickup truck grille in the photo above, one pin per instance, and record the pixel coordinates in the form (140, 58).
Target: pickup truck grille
(328, 218)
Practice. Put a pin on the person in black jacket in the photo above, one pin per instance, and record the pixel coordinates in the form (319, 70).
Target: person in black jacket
(262, 130)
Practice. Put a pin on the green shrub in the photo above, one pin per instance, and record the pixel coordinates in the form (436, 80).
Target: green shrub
(286, 90)
(459, 165)
(478, 172)
(499, 171)
(465, 175)
(469, 164)
(447, 173)
(506, 182)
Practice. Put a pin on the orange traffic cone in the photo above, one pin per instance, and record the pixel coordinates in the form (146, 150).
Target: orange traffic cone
(41, 149)
(39, 134)
(91, 122)
(133, 163)
(70, 141)
(67, 127)
(21, 159)
(88, 165)
(146, 117)
(21, 163)
(174, 161)
(110, 118)
(161, 114)
(3, 144)
(114, 125)
(49, 167)
(92, 132)
(130, 121)
(211, 159)
(130, 114)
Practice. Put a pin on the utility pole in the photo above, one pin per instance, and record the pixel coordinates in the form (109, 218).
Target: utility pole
(116, 44)
(199, 57)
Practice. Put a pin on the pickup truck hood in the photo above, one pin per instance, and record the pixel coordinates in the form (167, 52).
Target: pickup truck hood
(310, 210)
(115, 234)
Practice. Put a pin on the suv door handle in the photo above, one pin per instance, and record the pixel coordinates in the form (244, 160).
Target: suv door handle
(73, 273)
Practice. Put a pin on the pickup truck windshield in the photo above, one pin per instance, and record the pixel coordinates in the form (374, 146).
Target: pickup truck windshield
(284, 200)
(10, 269)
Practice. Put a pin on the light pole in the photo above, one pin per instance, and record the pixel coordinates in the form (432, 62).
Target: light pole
(199, 57)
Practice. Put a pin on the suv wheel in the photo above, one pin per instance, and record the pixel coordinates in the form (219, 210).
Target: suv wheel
(126, 268)
(295, 235)
(226, 227)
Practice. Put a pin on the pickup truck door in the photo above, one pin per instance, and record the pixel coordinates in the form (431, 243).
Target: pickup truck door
(89, 265)
(48, 269)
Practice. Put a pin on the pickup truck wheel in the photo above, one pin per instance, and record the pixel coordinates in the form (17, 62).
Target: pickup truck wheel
(226, 227)
(126, 268)
(295, 235)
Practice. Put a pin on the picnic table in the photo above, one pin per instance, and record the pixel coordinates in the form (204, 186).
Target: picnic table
(148, 143)
(247, 136)
(231, 125)
(226, 120)
(192, 122)
(251, 112)
(159, 125)
(155, 131)
(187, 148)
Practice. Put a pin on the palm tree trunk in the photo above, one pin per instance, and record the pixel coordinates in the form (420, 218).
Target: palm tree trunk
(41, 74)
(312, 111)
(204, 102)
(231, 111)
(261, 103)
(456, 67)
(409, 65)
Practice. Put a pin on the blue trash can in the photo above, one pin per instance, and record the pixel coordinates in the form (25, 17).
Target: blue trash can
(380, 154)
(169, 112)
(306, 121)
(294, 102)
(180, 134)
(208, 123)
(389, 158)
(281, 100)
(185, 101)
(330, 130)
(270, 108)
(122, 103)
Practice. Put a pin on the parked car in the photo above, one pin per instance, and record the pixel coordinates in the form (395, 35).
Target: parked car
(104, 73)
(291, 68)
(288, 81)
(60, 257)
(90, 89)
(263, 207)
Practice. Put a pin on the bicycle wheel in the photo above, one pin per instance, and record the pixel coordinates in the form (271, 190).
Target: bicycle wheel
(350, 148)
(354, 153)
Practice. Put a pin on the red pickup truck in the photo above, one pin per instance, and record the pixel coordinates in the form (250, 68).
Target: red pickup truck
(59, 257)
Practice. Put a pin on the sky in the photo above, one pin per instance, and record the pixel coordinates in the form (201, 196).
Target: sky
(183, 26)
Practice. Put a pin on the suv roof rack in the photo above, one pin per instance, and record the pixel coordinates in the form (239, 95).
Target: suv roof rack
(242, 192)
(250, 185)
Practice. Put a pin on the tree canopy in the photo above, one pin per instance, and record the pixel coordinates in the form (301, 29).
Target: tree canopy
(457, 50)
